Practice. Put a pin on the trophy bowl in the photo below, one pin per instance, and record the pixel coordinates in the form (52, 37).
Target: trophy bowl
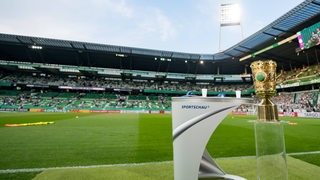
(264, 79)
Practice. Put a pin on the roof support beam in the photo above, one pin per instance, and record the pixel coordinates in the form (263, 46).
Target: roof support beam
(270, 47)
(315, 3)
(269, 34)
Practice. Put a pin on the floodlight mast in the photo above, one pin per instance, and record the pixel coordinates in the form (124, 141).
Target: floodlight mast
(230, 15)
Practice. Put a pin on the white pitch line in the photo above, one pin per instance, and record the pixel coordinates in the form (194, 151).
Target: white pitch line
(303, 153)
(7, 171)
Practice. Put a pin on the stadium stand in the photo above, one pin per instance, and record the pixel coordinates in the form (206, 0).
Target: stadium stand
(82, 81)
(303, 74)
(80, 75)
(48, 98)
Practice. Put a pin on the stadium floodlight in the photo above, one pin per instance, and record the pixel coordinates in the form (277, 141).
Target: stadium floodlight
(121, 55)
(26, 67)
(230, 15)
(35, 47)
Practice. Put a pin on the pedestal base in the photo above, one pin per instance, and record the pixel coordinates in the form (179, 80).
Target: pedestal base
(194, 119)
(270, 150)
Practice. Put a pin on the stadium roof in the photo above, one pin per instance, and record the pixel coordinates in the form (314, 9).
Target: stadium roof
(55, 51)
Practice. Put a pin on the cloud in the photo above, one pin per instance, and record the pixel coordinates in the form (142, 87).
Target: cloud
(117, 22)
(123, 9)
(171, 25)
(165, 26)
(155, 23)
(71, 20)
(112, 7)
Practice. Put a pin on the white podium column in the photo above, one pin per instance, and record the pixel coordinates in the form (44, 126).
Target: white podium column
(194, 119)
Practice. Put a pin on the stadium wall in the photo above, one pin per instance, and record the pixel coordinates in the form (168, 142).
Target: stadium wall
(83, 110)
(281, 114)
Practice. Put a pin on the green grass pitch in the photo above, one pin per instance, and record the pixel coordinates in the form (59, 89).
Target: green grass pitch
(102, 139)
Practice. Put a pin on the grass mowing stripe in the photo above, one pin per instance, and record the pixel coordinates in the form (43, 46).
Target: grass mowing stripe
(93, 139)
(244, 167)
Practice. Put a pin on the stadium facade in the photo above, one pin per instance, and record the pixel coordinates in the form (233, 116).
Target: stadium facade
(62, 66)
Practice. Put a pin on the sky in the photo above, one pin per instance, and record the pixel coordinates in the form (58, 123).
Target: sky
(190, 26)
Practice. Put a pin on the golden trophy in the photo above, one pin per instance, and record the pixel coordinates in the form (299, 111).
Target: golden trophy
(269, 137)
(264, 78)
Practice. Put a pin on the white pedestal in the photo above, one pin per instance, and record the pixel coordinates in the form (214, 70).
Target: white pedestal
(194, 119)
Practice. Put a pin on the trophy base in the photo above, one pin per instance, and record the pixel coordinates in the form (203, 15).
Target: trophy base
(267, 113)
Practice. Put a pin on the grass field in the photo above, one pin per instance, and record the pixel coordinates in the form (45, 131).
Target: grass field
(102, 139)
